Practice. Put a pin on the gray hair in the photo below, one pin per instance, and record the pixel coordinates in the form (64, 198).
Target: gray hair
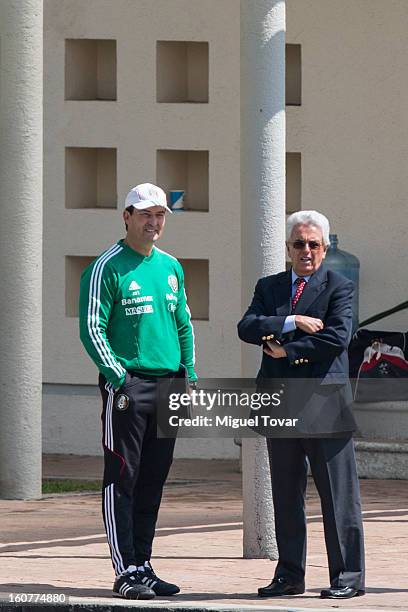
(309, 217)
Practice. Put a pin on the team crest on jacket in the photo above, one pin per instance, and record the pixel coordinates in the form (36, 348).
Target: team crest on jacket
(173, 282)
(122, 402)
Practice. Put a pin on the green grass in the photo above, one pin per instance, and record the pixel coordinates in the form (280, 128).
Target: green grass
(50, 486)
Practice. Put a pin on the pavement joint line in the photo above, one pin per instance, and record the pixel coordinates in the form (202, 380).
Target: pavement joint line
(366, 512)
(170, 529)
(96, 536)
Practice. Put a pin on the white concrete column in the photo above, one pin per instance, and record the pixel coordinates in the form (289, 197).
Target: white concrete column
(21, 74)
(263, 221)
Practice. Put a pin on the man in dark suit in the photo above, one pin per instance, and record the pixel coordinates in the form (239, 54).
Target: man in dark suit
(303, 319)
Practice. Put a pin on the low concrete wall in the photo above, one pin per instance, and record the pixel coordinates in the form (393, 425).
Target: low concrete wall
(71, 425)
(385, 420)
(382, 459)
(382, 449)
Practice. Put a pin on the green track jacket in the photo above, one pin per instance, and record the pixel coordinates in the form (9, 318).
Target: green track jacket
(133, 314)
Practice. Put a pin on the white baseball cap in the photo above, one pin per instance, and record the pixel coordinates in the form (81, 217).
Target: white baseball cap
(145, 196)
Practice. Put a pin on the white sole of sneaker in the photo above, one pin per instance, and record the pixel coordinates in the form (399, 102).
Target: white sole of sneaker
(135, 597)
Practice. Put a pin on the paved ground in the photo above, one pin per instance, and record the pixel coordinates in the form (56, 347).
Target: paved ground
(57, 545)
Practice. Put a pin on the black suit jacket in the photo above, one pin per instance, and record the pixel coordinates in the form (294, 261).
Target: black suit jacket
(314, 376)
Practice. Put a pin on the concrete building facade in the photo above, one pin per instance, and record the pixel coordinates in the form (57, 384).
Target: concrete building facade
(149, 90)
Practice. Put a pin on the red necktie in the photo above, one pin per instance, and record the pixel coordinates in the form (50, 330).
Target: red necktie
(300, 285)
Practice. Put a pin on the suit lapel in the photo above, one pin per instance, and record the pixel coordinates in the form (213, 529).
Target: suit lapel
(314, 287)
(282, 295)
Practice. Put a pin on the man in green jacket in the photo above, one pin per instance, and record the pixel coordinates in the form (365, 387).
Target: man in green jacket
(136, 326)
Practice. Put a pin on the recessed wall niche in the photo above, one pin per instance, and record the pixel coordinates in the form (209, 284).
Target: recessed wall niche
(293, 182)
(187, 170)
(90, 177)
(293, 75)
(90, 69)
(196, 280)
(74, 266)
(182, 71)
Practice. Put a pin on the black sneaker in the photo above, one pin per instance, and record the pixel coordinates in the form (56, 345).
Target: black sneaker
(130, 586)
(160, 587)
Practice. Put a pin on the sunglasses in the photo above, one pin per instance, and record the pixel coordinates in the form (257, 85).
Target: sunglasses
(314, 245)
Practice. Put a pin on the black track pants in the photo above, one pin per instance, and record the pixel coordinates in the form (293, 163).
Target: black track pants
(136, 467)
